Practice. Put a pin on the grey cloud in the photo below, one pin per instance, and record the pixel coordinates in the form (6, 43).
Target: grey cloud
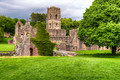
(23, 8)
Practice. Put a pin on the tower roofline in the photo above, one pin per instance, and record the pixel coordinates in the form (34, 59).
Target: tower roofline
(53, 7)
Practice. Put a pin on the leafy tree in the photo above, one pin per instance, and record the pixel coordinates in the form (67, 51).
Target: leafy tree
(69, 24)
(15, 19)
(23, 21)
(1, 34)
(8, 24)
(32, 23)
(100, 24)
(3, 20)
(42, 41)
(37, 17)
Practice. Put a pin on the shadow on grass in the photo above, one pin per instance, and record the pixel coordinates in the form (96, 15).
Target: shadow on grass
(101, 55)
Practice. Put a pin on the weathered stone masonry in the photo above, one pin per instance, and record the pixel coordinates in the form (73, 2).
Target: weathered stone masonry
(58, 35)
(24, 47)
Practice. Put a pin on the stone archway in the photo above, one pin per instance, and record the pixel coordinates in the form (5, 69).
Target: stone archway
(31, 52)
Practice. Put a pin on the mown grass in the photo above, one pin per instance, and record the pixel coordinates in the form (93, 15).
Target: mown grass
(7, 47)
(4, 46)
(93, 52)
(82, 67)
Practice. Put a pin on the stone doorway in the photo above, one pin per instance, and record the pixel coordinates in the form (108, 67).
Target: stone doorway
(31, 52)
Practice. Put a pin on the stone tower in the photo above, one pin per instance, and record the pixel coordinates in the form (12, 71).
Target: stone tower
(53, 18)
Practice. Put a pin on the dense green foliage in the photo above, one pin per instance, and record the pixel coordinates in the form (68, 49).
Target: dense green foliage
(37, 17)
(83, 67)
(8, 24)
(1, 34)
(4, 46)
(23, 21)
(42, 41)
(69, 24)
(15, 19)
(101, 24)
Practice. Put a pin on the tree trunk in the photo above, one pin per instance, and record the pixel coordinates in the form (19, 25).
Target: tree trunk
(114, 49)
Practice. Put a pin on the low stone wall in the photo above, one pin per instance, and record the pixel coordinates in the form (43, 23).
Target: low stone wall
(7, 53)
(63, 53)
(10, 41)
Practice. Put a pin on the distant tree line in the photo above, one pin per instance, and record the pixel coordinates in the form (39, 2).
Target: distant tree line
(66, 24)
(69, 24)
(7, 24)
(34, 17)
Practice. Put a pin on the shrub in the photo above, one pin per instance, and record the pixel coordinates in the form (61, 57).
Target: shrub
(42, 41)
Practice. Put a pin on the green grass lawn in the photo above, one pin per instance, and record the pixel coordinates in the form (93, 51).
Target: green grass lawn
(101, 65)
(7, 47)
(93, 52)
(81, 67)
(4, 46)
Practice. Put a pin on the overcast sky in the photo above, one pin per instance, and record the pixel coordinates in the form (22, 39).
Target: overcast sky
(23, 8)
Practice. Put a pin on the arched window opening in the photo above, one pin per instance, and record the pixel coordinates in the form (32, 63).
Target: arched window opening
(50, 16)
(19, 26)
(31, 52)
(99, 46)
(50, 25)
(56, 24)
(56, 16)
(107, 47)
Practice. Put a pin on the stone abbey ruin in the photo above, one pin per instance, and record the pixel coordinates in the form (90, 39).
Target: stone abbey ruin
(24, 47)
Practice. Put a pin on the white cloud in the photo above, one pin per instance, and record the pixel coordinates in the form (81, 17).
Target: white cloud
(5, 4)
(69, 8)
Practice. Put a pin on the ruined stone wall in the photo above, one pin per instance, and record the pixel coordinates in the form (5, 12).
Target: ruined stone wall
(58, 39)
(7, 34)
(11, 41)
(57, 32)
(24, 47)
(75, 41)
(33, 32)
(58, 35)
(61, 46)
(22, 39)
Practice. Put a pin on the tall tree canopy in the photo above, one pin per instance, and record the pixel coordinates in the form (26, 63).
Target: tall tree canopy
(8, 24)
(23, 21)
(37, 17)
(101, 24)
(1, 34)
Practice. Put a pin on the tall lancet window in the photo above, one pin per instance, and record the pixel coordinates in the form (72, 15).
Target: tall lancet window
(56, 24)
(56, 16)
(50, 25)
(50, 16)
